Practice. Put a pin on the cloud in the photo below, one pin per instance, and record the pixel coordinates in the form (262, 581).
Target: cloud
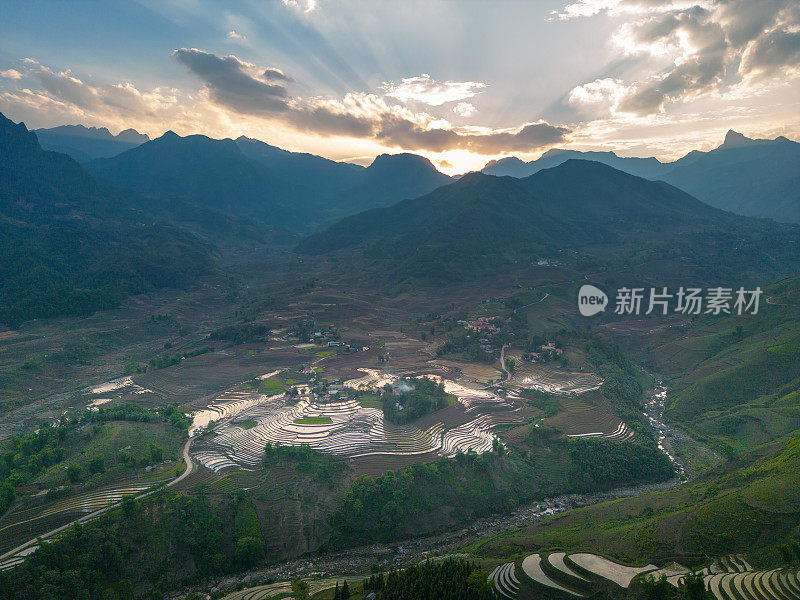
(275, 74)
(122, 98)
(236, 93)
(778, 49)
(305, 6)
(590, 8)
(598, 93)
(244, 88)
(445, 164)
(464, 109)
(431, 92)
(713, 46)
(42, 94)
(233, 35)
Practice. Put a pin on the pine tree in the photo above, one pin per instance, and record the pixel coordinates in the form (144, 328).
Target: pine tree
(337, 595)
(345, 591)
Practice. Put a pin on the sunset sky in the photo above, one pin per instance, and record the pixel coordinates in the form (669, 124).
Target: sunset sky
(459, 82)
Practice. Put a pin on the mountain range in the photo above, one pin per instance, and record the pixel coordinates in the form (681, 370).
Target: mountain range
(399, 211)
(71, 246)
(304, 192)
(86, 143)
(583, 212)
(753, 177)
(248, 178)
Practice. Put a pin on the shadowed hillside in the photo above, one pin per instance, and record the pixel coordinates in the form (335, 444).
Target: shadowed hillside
(576, 211)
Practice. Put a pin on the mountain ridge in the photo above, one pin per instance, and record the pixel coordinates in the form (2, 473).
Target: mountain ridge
(730, 176)
(87, 143)
(72, 247)
(482, 222)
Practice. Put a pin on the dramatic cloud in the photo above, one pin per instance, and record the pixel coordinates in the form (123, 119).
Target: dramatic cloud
(464, 109)
(778, 49)
(433, 93)
(236, 93)
(65, 97)
(234, 83)
(122, 98)
(713, 46)
(244, 88)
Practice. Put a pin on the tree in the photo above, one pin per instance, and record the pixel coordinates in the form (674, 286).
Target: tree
(129, 505)
(497, 447)
(345, 591)
(694, 586)
(73, 473)
(249, 550)
(300, 589)
(156, 453)
(654, 589)
(97, 465)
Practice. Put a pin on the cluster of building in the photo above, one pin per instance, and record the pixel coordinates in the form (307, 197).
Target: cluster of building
(482, 325)
(547, 352)
(486, 327)
(319, 390)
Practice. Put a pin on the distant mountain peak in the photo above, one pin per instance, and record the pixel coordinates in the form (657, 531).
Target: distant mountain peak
(131, 135)
(97, 133)
(473, 177)
(506, 160)
(169, 135)
(402, 158)
(734, 139)
(555, 152)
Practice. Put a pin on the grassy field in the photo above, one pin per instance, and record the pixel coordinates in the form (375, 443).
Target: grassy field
(271, 387)
(323, 420)
(751, 509)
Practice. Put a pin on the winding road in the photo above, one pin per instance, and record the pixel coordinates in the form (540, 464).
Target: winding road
(189, 465)
(30, 546)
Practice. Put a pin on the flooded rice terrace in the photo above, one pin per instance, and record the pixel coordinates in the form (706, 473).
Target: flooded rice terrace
(246, 421)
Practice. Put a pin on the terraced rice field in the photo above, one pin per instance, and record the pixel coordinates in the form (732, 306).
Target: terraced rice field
(581, 574)
(229, 405)
(343, 428)
(581, 418)
(505, 580)
(18, 526)
(607, 569)
(622, 432)
(733, 578)
(282, 588)
(554, 381)
(532, 566)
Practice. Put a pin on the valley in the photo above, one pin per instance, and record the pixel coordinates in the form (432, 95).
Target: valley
(234, 371)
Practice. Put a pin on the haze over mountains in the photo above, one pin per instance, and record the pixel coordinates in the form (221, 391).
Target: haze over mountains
(758, 178)
(246, 177)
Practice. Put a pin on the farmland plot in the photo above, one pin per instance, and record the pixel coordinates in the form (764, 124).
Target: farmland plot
(345, 428)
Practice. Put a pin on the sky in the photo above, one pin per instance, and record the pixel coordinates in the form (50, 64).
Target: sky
(459, 82)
